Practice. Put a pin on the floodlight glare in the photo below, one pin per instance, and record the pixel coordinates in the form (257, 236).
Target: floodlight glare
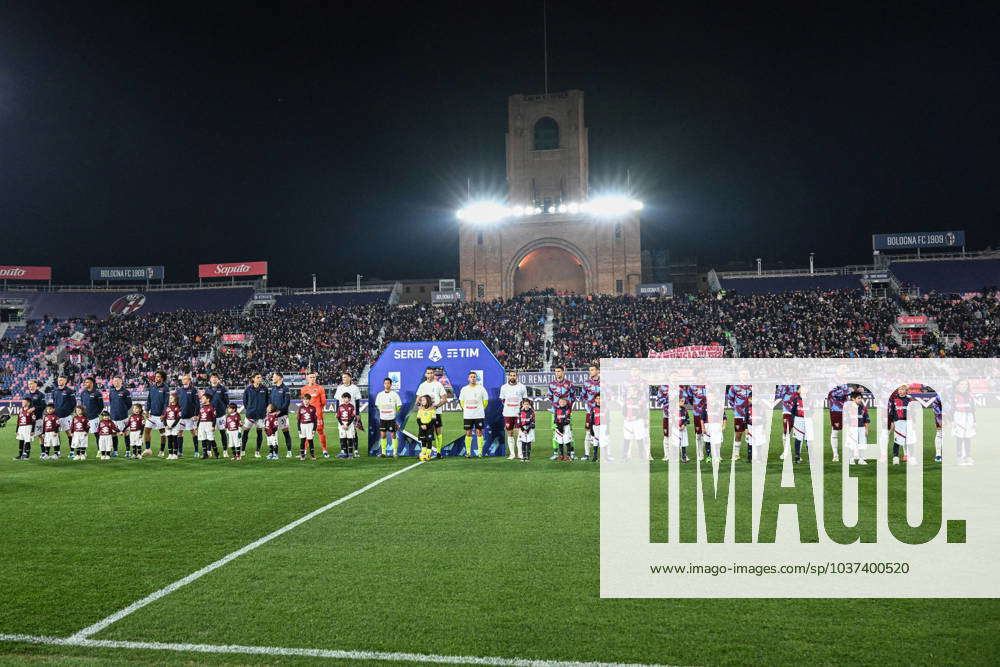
(611, 206)
(483, 212)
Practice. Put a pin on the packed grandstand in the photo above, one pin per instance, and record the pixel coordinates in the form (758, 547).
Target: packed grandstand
(931, 308)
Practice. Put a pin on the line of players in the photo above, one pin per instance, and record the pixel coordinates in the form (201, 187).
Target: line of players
(174, 411)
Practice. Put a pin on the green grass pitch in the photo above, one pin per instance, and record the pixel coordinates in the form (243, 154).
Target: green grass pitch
(458, 558)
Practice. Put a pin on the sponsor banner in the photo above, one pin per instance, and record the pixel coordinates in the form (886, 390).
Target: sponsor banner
(912, 320)
(542, 378)
(25, 273)
(915, 240)
(455, 296)
(232, 270)
(126, 273)
(655, 289)
(689, 352)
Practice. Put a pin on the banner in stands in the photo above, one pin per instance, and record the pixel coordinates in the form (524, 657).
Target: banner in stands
(25, 273)
(912, 320)
(876, 277)
(406, 363)
(232, 270)
(237, 338)
(916, 240)
(454, 296)
(654, 289)
(126, 273)
(689, 352)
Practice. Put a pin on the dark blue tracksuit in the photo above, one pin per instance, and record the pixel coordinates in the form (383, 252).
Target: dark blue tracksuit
(255, 402)
(119, 403)
(37, 399)
(187, 399)
(218, 395)
(65, 400)
(157, 400)
(92, 402)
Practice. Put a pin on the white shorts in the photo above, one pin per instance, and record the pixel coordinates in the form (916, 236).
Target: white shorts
(25, 432)
(802, 429)
(64, 423)
(79, 440)
(526, 436)
(346, 431)
(272, 440)
(39, 429)
(220, 424)
(154, 422)
(635, 429)
(176, 430)
(307, 431)
(964, 425)
(135, 438)
(188, 424)
(104, 442)
(51, 439)
(282, 422)
(233, 438)
(856, 437)
(899, 432)
(564, 438)
(120, 424)
(94, 424)
(252, 423)
(206, 431)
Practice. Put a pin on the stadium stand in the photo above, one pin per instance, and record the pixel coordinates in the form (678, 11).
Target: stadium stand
(99, 303)
(777, 285)
(949, 276)
(332, 299)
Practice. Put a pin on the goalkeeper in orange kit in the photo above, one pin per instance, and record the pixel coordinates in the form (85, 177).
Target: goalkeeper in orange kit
(317, 399)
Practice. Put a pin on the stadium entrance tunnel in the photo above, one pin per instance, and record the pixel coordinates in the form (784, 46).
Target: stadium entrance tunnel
(405, 364)
(550, 267)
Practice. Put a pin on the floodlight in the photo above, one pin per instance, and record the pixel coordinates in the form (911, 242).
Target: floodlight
(483, 212)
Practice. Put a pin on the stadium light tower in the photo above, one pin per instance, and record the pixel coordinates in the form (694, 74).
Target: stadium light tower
(758, 266)
(812, 255)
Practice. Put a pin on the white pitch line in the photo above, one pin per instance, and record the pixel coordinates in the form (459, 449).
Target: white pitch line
(167, 590)
(388, 656)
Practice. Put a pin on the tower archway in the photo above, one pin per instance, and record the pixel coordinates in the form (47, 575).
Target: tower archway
(548, 263)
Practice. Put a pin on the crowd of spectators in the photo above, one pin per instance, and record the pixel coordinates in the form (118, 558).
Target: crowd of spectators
(331, 340)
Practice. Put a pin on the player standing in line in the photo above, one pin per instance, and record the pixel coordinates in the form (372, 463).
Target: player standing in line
(856, 435)
(783, 393)
(281, 399)
(347, 386)
(937, 408)
(79, 426)
(307, 427)
(835, 399)
(663, 401)
(231, 424)
(254, 405)
(38, 402)
(473, 399)
(738, 398)
(25, 429)
(695, 396)
(271, 427)
(318, 398)
(172, 427)
(156, 401)
(50, 432)
(964, 427)
(134, 426)
(589, 392)
(896, 416)
(801, 428)
(187, 398)
(511, 394)
(106, 431)
(93, 404)
(439, 395)
(347, 417)
(388, 403)
(206, 428)
(64, 398)
(526, 428)
(425, 426)
(119, 404)
(218, 395)
(559, 388)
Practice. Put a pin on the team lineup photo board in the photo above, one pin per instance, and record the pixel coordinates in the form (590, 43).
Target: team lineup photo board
(405, 364)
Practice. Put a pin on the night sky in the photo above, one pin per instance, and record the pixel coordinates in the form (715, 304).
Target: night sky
(338, 138)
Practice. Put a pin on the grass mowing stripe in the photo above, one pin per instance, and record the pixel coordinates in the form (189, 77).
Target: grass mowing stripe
(308, 652)
(166, 590)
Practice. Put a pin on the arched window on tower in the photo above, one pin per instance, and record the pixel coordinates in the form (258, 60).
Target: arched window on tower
(546, 134)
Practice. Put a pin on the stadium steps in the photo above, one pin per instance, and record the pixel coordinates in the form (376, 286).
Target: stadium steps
(547, 342)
